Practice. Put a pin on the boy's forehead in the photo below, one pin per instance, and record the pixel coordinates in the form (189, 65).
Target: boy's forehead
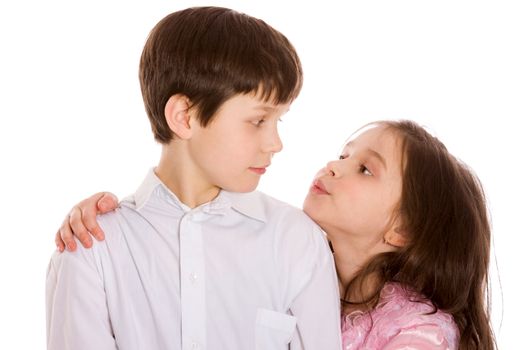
(268, 97)
(259, 102)
(272, 107)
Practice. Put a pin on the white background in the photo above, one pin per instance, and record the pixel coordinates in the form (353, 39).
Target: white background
(72, 121)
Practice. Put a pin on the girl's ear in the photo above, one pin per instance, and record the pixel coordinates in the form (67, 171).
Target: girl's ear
(178, 116)
(395, 237)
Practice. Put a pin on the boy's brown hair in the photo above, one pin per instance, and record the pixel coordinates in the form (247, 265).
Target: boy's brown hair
(210, 54)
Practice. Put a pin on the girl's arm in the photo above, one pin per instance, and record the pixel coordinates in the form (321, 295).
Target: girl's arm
(81, 221)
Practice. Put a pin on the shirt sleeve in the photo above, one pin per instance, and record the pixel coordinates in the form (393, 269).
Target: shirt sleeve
(77, 313)
(419, 337)
(316, 307)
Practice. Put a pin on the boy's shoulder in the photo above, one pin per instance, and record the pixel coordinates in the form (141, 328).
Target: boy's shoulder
(282, 218)
(274, 203)
(109, 223)
(122, 210)
(270, 208)
(117, 222)
(296, 236)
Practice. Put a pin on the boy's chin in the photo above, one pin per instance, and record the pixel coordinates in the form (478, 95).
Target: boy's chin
(241, 188)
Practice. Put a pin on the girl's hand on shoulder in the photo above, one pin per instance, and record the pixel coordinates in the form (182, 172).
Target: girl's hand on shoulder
(82, 221)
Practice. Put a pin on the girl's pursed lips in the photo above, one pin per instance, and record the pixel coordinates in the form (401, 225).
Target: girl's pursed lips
(318, 187)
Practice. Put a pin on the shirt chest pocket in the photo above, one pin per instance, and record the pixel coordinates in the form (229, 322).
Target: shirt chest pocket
(273, 330)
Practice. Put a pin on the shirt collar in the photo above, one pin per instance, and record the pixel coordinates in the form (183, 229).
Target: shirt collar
(249, 204)
(145, 190)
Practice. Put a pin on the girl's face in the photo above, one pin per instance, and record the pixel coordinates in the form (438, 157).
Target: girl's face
(357, 194)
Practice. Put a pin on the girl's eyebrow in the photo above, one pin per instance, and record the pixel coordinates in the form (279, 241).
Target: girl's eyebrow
(373, 153)
(378, 156)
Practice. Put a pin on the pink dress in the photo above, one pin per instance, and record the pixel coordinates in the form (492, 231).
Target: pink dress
(399, 323)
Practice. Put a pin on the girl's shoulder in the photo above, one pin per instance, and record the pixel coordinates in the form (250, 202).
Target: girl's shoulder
(401, 318)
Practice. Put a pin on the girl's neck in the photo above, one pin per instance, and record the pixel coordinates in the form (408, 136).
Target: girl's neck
(351, 255)
(346, 272)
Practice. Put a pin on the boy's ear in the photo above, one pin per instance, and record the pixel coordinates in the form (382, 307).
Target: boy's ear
(177, 115)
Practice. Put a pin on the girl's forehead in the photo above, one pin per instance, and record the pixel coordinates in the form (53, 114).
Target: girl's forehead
(368, 134)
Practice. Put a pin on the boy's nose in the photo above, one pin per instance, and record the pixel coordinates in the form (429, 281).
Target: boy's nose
(274, 143)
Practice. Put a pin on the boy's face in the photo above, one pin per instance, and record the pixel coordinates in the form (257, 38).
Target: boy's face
(235, 149)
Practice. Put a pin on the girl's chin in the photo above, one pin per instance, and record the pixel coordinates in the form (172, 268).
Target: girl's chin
(308, 210)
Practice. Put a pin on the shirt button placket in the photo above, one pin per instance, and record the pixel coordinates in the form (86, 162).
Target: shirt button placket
(193, 288)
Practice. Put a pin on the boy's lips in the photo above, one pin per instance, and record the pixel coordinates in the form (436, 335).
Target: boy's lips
(318, 187)
(259, 170)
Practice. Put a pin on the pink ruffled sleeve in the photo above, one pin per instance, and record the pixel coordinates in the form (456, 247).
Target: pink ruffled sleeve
(420, 337)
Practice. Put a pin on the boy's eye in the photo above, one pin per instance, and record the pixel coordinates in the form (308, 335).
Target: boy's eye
(342, 156)
(364, 170)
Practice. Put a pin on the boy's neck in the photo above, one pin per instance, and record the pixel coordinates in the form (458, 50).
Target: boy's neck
(179, 174)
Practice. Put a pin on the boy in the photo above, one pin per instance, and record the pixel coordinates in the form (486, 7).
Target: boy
(195, 259)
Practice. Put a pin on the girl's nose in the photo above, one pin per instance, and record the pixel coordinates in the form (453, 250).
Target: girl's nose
(331, 168)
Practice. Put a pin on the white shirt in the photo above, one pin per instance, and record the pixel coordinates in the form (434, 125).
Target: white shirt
(244, 271)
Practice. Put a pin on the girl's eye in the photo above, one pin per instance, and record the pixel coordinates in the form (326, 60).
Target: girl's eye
(364, 170)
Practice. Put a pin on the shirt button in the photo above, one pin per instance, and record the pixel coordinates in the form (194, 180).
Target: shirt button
(194, 345)
(193, 277)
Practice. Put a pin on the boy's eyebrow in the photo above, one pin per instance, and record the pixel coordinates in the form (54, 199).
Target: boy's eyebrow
(268, 108)
(373, 153)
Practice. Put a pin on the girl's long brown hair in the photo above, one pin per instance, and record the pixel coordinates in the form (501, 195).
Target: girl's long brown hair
(444, 215)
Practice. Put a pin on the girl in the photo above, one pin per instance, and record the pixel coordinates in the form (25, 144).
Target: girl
(410, 235)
